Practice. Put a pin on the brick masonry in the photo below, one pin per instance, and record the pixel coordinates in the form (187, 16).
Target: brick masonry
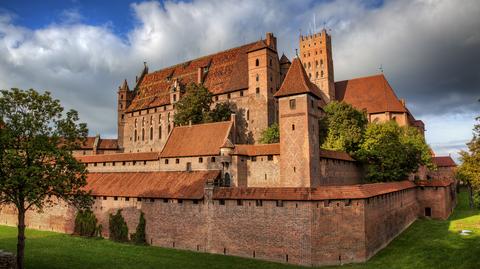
(299, 232)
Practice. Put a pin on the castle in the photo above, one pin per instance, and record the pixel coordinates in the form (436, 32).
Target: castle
(213, 188)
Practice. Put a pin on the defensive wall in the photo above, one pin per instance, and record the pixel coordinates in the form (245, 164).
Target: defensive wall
(320, 226)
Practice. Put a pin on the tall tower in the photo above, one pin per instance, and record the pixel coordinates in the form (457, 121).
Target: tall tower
(299, 138)
(124, 97)
(316, 56)
(263, 82)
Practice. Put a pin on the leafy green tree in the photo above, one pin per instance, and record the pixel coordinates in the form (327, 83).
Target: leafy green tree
(270, 135)
(139, 236)
(37, 168)
(221, 112)
(117, 227)
(194, 106)
(86, 224)
(391, 152)
(343, 127)
(469, 170)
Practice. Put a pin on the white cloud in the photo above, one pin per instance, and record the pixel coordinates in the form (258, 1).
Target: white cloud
(426, 48)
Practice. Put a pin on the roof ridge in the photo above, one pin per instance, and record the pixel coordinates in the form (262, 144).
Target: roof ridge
(201, 124)
(363, 77)
(205, 56)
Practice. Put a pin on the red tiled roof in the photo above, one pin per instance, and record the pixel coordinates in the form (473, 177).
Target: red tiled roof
(119, 157)
(197, 140)
(371, 93)
(435, 183)
(296, 82)
(108, 144)
(227, 72)
(178, 185)
(257, 150)
(88, 143)
(360, 191)
(444, 161)
(338, 155)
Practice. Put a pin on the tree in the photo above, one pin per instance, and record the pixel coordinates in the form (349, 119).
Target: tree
(343, 127)
(391, 152)
(270, 135)
(139, 237)
(194, 106)
(117, 227)
(469, 170)
(37, 168)
(221, 112)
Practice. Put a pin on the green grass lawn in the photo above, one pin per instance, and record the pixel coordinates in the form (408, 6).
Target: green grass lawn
(425, 244)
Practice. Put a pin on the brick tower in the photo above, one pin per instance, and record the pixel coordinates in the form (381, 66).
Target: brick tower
(316, 56)
(299, 114)
(124, 96)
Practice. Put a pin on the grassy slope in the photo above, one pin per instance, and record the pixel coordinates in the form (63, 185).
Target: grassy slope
(426, 244)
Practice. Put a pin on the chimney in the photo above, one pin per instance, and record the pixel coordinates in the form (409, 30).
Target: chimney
(199, 75)
(402, 101)
(271, 41)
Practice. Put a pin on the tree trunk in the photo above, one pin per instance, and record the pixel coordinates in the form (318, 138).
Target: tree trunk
(470, 195)
(21, 239)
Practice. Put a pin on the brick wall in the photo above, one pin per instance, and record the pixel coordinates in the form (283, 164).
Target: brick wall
(339, 172)
(299, 232)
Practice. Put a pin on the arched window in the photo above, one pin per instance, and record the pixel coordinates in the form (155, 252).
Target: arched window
(143, 134)
(257, 77)
(160, 132)
(151, 133)
(321, 73)
(316, 75)
(321, 62)
(257, 62)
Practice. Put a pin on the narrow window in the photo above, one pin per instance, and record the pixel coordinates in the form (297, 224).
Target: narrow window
(216, 98)
(166, 161)
(254, 158)
(221, 202)
(151, 133)
(177, 160)
(174, 97)
(257, 77)
(115, 198)
(160, 132)
(316, 75)
(321, 73)
(270, 157)
(239, 202)
(257, 62)
(135, 136)
(279, 203)
(189, 166)
(127, 199)
(270, 62)
(257, 90)
(241, 93)
(258, 202)
(428, 212)
(143, 134)
(293, 104)
(228, 96)
(213, 159)
(293, 127)
(200, 160)
(248, 114)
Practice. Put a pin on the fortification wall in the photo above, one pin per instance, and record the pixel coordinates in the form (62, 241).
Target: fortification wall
(339, 172)
(439, 201)
(300, 232)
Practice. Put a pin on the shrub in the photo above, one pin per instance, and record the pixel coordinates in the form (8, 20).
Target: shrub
(86, 224)
(118, 227)
(139, 236)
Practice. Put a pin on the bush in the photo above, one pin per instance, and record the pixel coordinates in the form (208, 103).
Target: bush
(86, 224)
(271, 134)
(118, 227)
(139, 237)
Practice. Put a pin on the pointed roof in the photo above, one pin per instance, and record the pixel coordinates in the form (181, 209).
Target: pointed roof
(297, 82)
(284, 59)
(372, 93)
(125, 85)
(228, 144)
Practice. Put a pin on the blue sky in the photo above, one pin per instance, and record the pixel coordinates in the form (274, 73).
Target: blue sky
(82, 50)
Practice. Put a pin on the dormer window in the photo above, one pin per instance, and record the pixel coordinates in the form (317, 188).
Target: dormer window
(205, 69)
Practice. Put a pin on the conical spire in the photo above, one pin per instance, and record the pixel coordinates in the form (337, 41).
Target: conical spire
(297, 82)
(124, 86)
